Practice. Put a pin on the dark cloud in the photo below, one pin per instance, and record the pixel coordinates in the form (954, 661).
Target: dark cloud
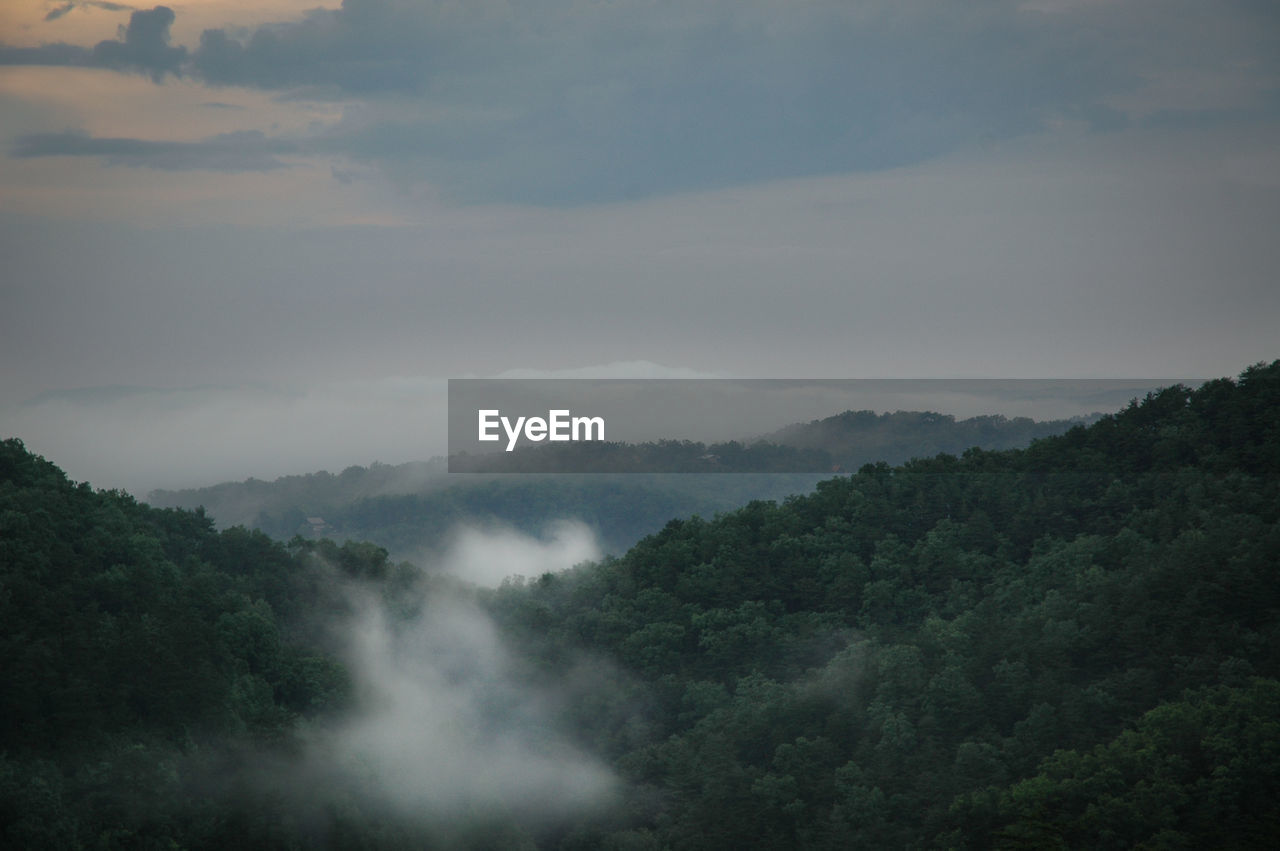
(567, 101)
(54, 14)
(242, 151)
(59, 53)
(145, 46)
(571, 102)
(58, 12)
(362, 47)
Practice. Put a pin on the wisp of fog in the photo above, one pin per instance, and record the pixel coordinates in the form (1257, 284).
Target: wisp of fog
(485, 557)
(447, 729)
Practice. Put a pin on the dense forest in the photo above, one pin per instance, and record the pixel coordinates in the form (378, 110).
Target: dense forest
(1069, 645)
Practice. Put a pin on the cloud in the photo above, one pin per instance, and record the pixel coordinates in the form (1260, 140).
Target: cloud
(59, 11)
(452, 737)
(144, 46)
(618, 369)
(246, 150)
(448, 728)
(488, 556)
(174, 438)
(569, 102)
(612, 103)
(58, 54)
(363, 47)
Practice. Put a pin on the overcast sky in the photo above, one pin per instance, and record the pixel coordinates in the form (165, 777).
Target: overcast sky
(249, 238)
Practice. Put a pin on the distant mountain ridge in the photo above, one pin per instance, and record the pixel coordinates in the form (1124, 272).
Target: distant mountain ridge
(854, 438)
(408, 508)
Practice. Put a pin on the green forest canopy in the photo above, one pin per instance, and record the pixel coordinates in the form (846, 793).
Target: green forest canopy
(1072, 645)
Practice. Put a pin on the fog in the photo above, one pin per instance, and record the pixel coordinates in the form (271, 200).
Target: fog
(447, 725)
(486, 556)
(448, 733)
(140, 439)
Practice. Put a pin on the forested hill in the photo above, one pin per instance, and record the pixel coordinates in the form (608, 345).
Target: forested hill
(854, 438)
(1073, 645)
(144, 655)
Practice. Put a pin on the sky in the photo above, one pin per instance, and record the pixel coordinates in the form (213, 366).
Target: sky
(253, 238)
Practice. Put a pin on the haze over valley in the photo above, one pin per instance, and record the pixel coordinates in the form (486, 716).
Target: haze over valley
(1017, 591)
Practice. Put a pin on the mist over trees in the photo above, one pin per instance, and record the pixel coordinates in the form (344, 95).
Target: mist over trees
(411, 508)
(1070, 645)
(417, 524)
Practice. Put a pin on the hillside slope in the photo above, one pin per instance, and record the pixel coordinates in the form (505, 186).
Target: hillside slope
(1073, 645)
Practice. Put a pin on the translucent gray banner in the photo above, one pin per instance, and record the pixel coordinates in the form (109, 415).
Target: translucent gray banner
(758, 425)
